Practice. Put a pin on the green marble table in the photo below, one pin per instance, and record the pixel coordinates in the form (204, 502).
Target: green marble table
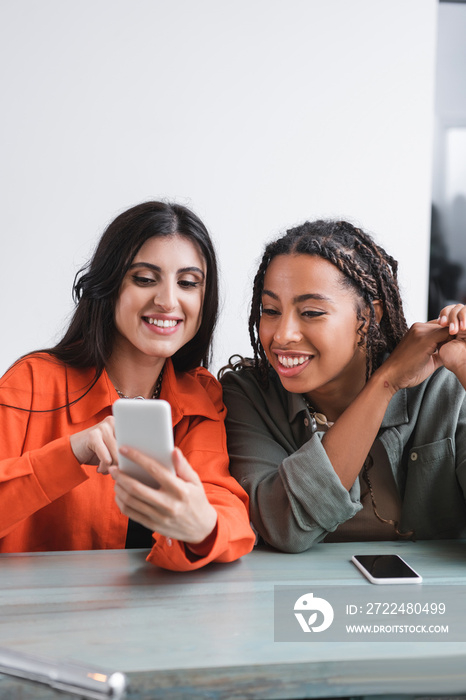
(210, 633)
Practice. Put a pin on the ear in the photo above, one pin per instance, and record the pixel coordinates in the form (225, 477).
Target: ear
(378, 308)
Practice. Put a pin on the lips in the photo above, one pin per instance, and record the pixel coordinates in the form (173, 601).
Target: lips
(292, 360)
(161, 323)
(162, 326)
(290, 365)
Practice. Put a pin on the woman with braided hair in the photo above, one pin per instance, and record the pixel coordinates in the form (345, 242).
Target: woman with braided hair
(346, 426)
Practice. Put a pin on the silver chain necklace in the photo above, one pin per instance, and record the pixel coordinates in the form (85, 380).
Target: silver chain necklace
(155, 393)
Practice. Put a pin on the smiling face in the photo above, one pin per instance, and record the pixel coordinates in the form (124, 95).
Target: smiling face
(309, 330)
(159, 306)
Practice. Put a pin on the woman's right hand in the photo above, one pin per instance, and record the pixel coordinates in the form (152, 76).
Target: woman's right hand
(97, 445)
(416, 357)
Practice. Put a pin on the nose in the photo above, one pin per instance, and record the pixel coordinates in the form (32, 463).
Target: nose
(165, 296)
(288, 329)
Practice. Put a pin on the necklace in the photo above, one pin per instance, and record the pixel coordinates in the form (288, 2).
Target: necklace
(155, 393)
(317, 418)
(368, 464)
(321, 419)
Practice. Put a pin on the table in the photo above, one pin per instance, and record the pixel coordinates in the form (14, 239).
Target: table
(209, 633)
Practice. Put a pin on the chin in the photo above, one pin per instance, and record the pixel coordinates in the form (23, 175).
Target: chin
(295, 386)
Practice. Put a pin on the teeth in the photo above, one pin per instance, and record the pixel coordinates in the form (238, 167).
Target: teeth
(288, 361)
(161, 324)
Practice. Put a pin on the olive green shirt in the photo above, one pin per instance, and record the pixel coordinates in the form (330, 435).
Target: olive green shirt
(296, 498)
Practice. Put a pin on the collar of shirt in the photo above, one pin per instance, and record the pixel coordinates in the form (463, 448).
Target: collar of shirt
(396, 413)
(184, 391)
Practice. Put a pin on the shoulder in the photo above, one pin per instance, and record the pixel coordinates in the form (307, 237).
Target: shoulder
(42, 380)
(439, 397)
(33, 380)
(446, 390)
(198, 380)
(442, 381)
(198, 392)
(245, 378)
(34, 367)
(202, 376)
(246, 383)
(248, 377)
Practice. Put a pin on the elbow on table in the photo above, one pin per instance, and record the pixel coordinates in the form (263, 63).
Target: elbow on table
(291, 542)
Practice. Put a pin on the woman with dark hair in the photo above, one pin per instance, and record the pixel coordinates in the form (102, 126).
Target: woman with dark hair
(346, 426)
(142, 328)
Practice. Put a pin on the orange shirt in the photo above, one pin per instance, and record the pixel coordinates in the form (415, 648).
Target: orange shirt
(48, 501)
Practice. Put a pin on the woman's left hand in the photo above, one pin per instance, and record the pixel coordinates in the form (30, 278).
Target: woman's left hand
(178, 509)
(452, 353)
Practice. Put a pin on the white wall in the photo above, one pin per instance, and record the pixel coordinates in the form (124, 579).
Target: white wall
(256, 113)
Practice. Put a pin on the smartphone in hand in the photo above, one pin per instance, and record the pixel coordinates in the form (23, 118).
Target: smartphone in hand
(146, 426)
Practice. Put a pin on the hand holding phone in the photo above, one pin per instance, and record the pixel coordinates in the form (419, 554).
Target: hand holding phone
(385, 568)
(146, 426)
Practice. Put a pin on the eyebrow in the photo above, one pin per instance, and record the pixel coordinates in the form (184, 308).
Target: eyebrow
(156, 268)
(300, 298)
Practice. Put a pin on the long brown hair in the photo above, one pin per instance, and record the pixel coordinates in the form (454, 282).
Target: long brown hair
(89, 338)
(88, 341)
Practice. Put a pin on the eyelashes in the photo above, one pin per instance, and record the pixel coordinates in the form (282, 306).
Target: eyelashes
(142, 281)
(273, 313)
(149, 281)
(188, 284)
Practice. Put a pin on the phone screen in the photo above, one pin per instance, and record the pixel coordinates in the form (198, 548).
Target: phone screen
(386, 566)
(146, 425)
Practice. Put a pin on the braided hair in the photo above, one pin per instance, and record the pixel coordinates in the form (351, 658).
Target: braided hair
(367, 269)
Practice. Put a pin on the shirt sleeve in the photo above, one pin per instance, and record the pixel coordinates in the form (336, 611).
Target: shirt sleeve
(203, 442)
(29, 478)
(295, 496)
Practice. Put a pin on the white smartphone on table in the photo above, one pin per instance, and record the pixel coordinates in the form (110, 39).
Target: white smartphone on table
(146, 426)
(385, 568)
